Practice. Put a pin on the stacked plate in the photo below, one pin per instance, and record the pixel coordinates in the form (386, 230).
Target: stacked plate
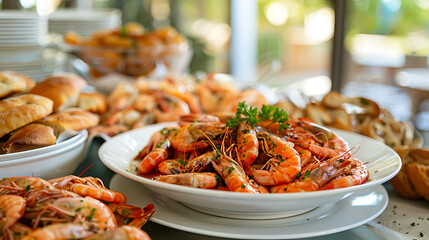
(83, 22)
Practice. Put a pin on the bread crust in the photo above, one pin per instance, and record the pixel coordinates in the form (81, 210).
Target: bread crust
(94, 102)
(29, 137)
(75, 119)
(418, 171)
(19, 111)
(63, 89)
(13, 82)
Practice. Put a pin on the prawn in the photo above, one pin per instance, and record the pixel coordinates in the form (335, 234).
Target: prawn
(197, 117)
(16, 231)
(286, 158)
(155, 157)
(12, 208)
(170, 108)
(198, 180)
(170, 166)
(22, 185)
(155, 140)
(187, 138)
(87, 210)
(316, 178)
(124, 232)
(61, 231)
(199, 163)
(88, 186)
(357, 175)
(247, 146)
(130, 215)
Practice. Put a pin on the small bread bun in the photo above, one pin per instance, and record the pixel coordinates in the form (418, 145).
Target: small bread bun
(75, 119)
(418, 171)
(30, 137)
(12, 82)
(16, 112)
(63, 89)
(94, 102)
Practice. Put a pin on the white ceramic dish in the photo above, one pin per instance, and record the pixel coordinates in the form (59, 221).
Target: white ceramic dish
(48, 162)
(383, 163)
(349, 213)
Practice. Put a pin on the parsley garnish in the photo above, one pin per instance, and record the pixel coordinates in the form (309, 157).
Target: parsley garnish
(252, 116)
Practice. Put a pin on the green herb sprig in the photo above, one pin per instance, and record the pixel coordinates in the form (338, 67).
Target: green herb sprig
(252, 116)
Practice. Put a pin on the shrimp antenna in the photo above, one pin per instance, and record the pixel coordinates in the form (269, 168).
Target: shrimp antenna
(84, 170)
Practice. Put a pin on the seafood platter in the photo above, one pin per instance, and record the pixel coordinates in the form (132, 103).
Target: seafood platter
(192, 148)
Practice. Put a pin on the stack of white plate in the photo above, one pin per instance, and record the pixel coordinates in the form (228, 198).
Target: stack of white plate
(23, 40)
(83, 22)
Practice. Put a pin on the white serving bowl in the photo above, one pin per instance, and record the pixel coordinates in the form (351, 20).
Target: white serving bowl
(383, 164)
(47, 162)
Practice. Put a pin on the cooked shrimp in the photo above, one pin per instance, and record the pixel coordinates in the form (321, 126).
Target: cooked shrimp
(155, 140)
(12, 207)
(199, 163)
(74, 209)
(286, 159)
(315, 179)
(357, 175)
(194, 136)
(234, 176)
(125, 212)
(63, 231)
(16, 232)
(197, 180)
(170, 108)
(22, 185)
(193, 118)
(122, 96)
(123, 233)
(170, 166)
(155, 157)
(88, 186)
(247, 145)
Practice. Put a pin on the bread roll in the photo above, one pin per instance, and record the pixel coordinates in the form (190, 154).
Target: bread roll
(94, 102)
(19, 111)
(63, 89)
(75, 119)
(418, 171)
(12, 82)
(30, 137)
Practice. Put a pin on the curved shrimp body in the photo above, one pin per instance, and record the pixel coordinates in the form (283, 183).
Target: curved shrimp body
(130, 215)
(17, 231)
(84, 209)
(248, 145)
(155, 157)
(315, 179)
(170, 108)
(234, 176)
(194, 136)
(286, 159)
(155, 140)
(22, 185)
(123, 233)
(170, 166)
(12, 208)
(197, 180)
(197, 117)
(62, 231)
(88, 186)
(357, 175)
(199, 163)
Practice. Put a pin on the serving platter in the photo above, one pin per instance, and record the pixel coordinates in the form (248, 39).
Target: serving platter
(383, 163)
(358, 209)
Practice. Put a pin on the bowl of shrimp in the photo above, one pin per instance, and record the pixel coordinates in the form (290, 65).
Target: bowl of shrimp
(263, 171)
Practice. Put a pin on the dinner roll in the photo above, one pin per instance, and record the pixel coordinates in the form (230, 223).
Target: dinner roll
(12, 82)
(30, 137)
(63, 89)
(19, 111)
(94, 102)
(75, 119)
(418, 171)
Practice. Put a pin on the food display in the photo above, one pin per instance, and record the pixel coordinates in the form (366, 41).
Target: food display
(257, 151)
(131, 50)
(69, 207)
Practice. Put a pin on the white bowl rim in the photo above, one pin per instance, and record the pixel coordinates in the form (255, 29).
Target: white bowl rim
(240, 195)
(44, 152)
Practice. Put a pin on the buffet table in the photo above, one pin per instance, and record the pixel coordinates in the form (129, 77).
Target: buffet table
(408, 218)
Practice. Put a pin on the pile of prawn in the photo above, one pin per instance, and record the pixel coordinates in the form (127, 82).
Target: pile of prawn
(69, 207)
(203, 152)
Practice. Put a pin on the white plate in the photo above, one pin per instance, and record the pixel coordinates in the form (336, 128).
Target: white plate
(349, 213)
(383, 163)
